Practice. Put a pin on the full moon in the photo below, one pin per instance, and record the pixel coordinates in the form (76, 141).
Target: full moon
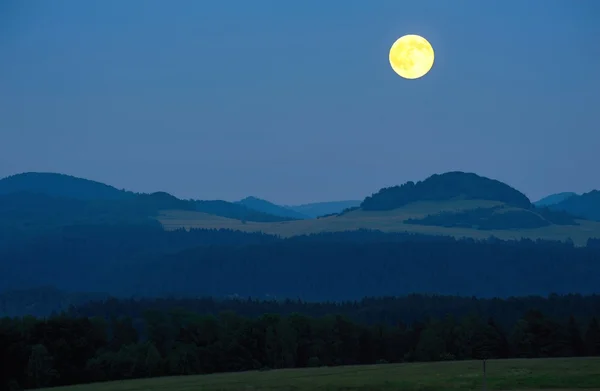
(411, 56)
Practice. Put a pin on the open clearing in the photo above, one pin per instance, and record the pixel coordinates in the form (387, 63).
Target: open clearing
(565, 374)
(387, 221)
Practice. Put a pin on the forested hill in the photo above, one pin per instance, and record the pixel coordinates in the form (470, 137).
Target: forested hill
(441, 187)
(60, 185)
(586, 205)
(554, 199)
(43, 201)
(271, 208)
(318, 209)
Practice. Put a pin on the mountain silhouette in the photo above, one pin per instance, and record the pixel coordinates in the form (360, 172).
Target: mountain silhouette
(554, 199)
(448, 186)
(586, 205)
(271, 208)
(61, 185)
(40, 201)
(318, 209)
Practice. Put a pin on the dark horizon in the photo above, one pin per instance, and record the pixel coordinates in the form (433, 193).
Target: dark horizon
(266, 199)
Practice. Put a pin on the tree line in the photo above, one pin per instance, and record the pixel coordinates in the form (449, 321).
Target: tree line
(144, 260)
(68, 349)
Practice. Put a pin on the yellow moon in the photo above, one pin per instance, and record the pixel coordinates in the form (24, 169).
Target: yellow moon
(411, 56)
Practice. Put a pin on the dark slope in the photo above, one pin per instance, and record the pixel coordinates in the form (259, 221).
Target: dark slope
(318, 209)
(271, 208)
(236, 211)
(60, 185)
(34, 212)
(40, 201)
(586, 205)
(446, 186)
(554, 199)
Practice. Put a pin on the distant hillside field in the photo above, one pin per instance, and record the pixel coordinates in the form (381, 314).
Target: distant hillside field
(455, 204)
(558, 374)
(388, 221)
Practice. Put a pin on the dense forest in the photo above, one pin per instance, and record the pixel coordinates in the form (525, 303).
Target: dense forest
(122, 342)
(145, 260)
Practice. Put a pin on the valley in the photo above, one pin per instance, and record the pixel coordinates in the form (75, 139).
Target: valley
(386, 221)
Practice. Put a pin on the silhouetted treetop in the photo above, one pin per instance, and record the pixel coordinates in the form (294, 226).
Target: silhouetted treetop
(440, 187)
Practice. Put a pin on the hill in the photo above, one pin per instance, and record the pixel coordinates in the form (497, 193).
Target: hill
(454, 204)
(586, 205)
(318, 209)
(271, 208)
(235, 211)
(554, 199)
(42, 201)
(60, 185)
(443, 187)
(389, 221)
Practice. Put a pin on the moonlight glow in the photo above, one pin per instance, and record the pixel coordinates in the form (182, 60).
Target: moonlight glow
(411, 56)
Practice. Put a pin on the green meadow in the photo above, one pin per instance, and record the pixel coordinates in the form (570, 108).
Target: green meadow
(513, 375)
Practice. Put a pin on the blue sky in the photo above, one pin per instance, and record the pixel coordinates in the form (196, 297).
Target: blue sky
(295, 101)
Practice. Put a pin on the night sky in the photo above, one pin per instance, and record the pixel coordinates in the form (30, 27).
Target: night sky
(295, 101)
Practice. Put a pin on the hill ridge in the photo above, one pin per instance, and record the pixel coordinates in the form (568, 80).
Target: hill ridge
(446, 186)
(62, 185)
(269, 207)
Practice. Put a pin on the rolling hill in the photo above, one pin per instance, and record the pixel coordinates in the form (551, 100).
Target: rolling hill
(453, 204)
(441, 187)
(586, 205)
(388, 221)
(61, 185)
(41, 201)
(317, 209)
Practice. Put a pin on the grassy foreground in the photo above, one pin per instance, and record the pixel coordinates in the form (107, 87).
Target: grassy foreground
(565, 374)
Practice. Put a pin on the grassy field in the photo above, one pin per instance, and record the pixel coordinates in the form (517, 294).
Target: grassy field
(564, 374)
(388, 221)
